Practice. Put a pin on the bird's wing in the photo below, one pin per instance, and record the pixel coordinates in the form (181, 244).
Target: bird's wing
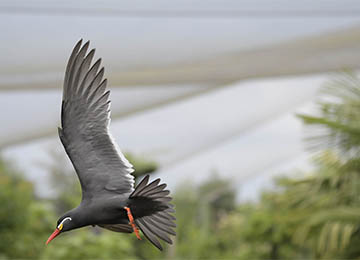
(85, 118)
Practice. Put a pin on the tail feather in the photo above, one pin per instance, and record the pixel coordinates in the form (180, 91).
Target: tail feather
(140, 186)
(158, 195)
(149, 235)
(166, 215)
(159, 225)
(158, 232)
(150, 186)
(164, 199)
(155, 190)
(157, 222)
(163, 221)
(170, 210)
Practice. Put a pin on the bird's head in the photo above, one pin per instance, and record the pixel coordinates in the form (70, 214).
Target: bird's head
(65, 223)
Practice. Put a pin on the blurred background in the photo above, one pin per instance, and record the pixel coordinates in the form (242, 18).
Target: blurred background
(249, 110)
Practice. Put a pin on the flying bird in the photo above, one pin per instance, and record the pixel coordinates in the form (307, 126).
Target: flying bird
(109, 198)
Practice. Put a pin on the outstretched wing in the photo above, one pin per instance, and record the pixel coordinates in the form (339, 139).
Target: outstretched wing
(85, 118)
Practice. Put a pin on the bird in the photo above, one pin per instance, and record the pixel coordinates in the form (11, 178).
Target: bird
(110, 199)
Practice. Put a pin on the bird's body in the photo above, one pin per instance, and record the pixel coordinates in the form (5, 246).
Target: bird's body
(109, 198)
(101, 211)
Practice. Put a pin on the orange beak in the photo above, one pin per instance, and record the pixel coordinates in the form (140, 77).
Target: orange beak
(53, 235)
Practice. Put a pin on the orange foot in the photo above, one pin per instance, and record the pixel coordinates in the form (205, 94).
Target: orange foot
(132, 223)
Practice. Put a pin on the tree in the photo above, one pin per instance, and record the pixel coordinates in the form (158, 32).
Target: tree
(337, 125)
(24, 222)
(318, 215)
(336, 221)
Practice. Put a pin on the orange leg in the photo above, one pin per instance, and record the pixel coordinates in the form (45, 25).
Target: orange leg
(132, 223)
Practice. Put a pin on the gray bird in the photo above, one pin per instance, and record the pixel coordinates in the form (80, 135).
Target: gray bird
(109, 199)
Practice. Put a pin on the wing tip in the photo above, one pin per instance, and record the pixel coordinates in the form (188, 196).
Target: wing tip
(91, 52)
(79, 43)
(87, 43)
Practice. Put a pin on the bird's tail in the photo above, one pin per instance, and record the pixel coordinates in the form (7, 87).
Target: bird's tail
(152, 210)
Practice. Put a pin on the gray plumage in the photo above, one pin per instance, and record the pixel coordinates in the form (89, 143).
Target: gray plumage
(105, 174)
(85, 119)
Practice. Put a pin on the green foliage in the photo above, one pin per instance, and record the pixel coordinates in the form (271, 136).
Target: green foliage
(331, 208)
(257, 232)
(87, 244)
(338, 124)
(22, 219)
(199, 210)
(334, 190)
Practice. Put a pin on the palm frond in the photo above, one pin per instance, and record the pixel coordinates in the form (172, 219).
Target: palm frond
(338, 124)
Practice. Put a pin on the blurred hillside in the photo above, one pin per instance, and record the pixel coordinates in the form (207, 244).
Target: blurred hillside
(232, 72)
(315, 216)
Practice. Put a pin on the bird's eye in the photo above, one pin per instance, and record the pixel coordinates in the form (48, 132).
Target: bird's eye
(60, 226)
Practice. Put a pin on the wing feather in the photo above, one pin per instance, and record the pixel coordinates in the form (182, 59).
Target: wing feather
(85, 117)
(157, 231)
(149, 234)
